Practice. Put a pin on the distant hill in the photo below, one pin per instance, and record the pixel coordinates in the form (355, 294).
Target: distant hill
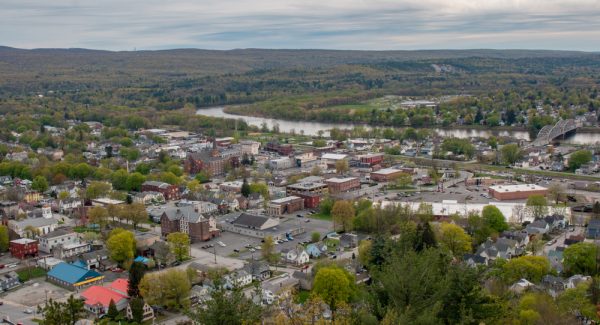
(208, 62)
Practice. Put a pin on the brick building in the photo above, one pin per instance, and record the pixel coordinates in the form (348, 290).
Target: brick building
(306, 188)
(214, 161)
(311, 201)
(282, 149)
(23, 248)
(371, 159)
(516, 192)
(170, 192)
(285, 205)
(483, 181)
(339, 185)
(188, 220)
(385, 175)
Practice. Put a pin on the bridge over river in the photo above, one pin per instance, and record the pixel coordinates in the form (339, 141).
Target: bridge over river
(551, 132)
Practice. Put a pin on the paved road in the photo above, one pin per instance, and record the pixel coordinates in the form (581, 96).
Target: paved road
(14, 312)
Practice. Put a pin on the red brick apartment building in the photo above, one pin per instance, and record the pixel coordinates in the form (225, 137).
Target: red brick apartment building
(23, 247)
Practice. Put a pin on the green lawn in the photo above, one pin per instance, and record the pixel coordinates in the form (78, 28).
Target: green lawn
(320, 216)
(27, 274)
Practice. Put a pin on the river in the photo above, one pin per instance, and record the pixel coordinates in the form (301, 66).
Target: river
(313, 128)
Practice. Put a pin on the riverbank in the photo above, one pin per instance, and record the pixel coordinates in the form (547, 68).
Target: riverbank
(232, 110)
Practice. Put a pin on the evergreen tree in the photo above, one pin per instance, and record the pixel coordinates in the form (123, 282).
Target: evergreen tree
(137, 309)
(136, 273)
(112, 312)
(425, 237)
(129, 199)
(245, 188)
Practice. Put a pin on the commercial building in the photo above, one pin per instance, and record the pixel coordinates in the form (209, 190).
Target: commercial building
(311, 201)
(385, 175)
(516, 192)
(98, 298)
(281, 163)
(258, 226)
(73, 277)
(318, 188)
(339, 185)
(250, 147)
(483, 181)
(57, 237)
(170, 192)
(331, 158)
(41, 226)
(285, 205)
(23, 248)
(371, 159)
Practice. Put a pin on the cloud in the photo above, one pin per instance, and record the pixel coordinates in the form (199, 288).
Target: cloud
(334, 24)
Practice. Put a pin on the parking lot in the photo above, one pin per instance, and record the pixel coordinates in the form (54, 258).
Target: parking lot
(35, 293)
(245, 244)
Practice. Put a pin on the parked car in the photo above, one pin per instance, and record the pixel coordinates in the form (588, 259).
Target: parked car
(117, 270)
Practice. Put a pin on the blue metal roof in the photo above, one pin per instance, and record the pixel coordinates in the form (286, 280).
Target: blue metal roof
(72, 274)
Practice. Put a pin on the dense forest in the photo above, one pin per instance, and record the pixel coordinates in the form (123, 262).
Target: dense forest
(488, 87)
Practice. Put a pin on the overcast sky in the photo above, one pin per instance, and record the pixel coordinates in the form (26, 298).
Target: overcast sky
(326, 24)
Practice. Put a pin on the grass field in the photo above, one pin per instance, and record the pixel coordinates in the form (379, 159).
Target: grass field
(27, 274)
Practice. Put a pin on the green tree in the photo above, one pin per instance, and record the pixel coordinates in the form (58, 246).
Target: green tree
(203, 177)
(343, 214)
(538, 205)
(135, 213)
(334, 285)
(97, 189)
(137, 309)
(575, 300)
(511, 153)
(341, 166)
(134, 181)
(325, 206)
(455, 239)
(493, 218)
(98, 215)
(119, 179)
(180, 244)
(268, 250)
(162, 253)
(579, 158)
(136, 273)
(4, 238)
(580, 258)
(245, 188)
(169, 288)
(121, 245)
(532, 268)
(40, 184)
(425, 237)
(227, 307)
(112, 312)
(315, 237)
(61, 313)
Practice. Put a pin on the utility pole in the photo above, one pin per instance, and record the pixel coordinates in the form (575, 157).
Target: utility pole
(215, 253)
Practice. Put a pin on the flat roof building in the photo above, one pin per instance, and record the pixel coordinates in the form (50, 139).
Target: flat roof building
(339, 185)
(516, 192)
(385, 175)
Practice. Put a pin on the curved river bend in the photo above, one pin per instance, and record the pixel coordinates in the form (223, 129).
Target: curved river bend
(313, 128)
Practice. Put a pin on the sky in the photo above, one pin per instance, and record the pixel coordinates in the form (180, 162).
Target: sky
(318, 24)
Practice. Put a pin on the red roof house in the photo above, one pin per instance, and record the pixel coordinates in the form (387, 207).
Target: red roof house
(97, 298)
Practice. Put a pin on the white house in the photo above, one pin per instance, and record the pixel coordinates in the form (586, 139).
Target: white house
(58, 237)
(295, 256)
(239, 278)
